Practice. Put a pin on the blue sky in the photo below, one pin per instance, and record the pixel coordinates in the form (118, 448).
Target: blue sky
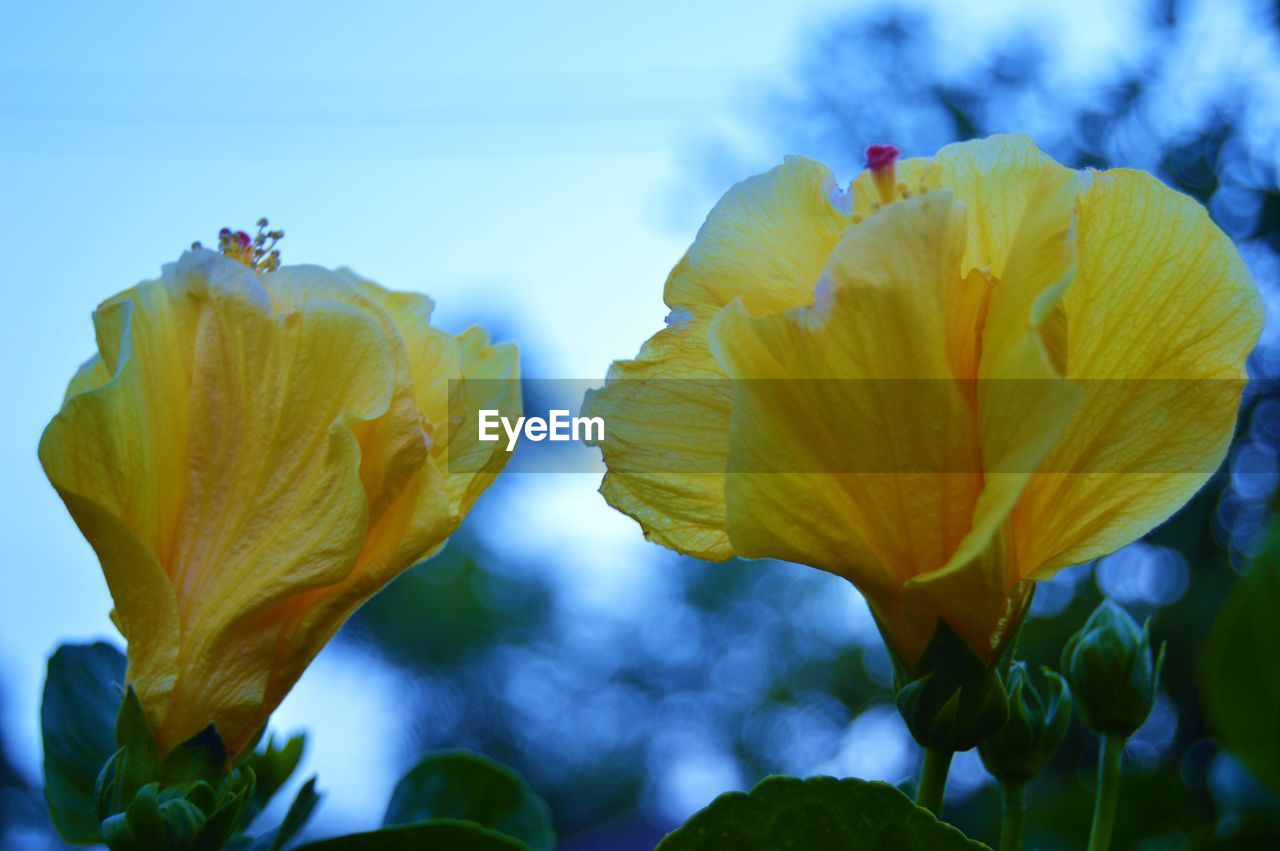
(533, 166)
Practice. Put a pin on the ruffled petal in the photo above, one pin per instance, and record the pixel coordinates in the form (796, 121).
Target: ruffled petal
(993, 178)
(853, 448)
(765, 243)
(394, 445)
(416, 524)
(1158, 324)
(275, 503)
(252, 457)
(490, 381)
(1023, 405)
(667, 440)
(116, 454)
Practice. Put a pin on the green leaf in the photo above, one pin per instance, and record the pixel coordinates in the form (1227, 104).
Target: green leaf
(469, 787)
(438, 835)
(81, 698)
(1240, 669)
(820, 813)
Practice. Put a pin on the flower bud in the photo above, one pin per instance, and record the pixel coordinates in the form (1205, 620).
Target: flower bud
(953, 699)
(1110, 668)
(1034, 730)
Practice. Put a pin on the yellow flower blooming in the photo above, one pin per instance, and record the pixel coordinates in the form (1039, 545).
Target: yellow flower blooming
(923, 287)
(253, 452)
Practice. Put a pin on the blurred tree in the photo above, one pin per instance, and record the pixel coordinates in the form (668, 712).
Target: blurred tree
(742, 670)
(24, 818)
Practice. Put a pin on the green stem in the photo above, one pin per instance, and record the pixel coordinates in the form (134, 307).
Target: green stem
(1015, 808)
(1110, 753)
(933, 779)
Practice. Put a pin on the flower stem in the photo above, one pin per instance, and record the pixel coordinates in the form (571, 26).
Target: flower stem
(933, 779)
(1110, 753)
(1015, 807)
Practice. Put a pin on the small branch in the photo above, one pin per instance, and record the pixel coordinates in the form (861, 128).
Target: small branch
(1110, 754)
(1015, 808)
(933, 779)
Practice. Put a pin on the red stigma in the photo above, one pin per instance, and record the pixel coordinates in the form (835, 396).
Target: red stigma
(243, 239)
(881, 157)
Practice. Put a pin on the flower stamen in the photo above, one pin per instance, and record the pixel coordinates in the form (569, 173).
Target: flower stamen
(881, 160)
(258, 252)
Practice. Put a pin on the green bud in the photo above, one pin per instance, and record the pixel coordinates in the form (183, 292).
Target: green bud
(1034, 730)
(953, 699)
(1110, 668)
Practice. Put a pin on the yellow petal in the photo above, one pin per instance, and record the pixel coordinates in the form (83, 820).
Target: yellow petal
(1163, 302)
(275, 504)
(146, 610)
(252, 457)
(993, 178)
(897, 412)
(91, 374)
(393, 445)
(116, 455)
(765, 243)
(434, 356)
(490, 381)
(667, 440)
(1023, 405)
(415, 525)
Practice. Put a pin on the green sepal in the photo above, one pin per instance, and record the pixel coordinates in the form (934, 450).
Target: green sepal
(1037, 724)
(304, 804)
(104, 788)
(203, 757)
(1112, 673)
(117, 834)
(141, 827)
(145, 821)
(137, 762)
(183, 819)
(464, 786)
(200, 795)
(272, 767)
(221, 823)
(953, 699)
(816, 814)
(250, 749)
(80, 702)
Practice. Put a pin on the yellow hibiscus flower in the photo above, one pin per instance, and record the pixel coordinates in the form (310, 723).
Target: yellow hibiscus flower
(962, 373)
(253, 452)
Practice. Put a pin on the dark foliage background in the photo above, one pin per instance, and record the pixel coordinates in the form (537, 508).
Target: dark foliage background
(755, 663)
(747, 669)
